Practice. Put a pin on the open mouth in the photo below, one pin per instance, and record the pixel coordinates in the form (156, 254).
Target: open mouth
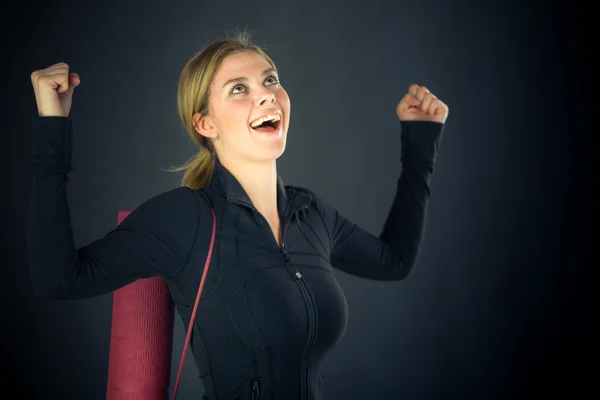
(267, 126)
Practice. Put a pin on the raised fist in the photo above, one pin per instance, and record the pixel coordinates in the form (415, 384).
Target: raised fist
(53, 88)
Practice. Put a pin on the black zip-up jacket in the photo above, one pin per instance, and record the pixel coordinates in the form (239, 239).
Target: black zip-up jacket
(268, 315)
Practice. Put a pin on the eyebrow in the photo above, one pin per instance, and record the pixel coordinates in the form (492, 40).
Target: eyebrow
(243, 79)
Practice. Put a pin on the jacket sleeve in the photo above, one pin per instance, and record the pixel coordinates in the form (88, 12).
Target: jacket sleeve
(392, 254)
(154, 240)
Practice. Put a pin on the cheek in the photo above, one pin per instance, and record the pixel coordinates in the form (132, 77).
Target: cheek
(235, 116)
(284, 101)
(283, 98)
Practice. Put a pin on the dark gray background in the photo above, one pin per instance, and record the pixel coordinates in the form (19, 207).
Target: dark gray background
(500, 303)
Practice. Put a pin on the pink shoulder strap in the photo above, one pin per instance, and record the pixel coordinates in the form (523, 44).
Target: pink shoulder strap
(193, 317)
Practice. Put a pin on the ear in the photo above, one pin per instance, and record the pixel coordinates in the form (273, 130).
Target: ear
(204, 125)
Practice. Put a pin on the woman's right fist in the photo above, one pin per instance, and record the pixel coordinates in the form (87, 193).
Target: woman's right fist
(53, 88)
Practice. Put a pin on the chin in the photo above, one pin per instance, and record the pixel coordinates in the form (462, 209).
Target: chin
(275, 150)
(272, 143)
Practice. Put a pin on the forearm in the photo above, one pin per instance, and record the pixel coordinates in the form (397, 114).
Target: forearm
(405, 225)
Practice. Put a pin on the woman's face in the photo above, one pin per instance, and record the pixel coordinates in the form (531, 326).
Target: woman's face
(245, 91)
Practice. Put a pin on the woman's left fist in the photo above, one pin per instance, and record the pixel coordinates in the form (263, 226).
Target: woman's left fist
(419, 104)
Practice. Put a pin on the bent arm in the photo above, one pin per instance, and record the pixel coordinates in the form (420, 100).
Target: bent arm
(154, 240)
(393, 254)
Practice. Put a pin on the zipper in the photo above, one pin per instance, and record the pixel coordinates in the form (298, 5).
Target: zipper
(255, 390)
(311, 317)
(303, 289)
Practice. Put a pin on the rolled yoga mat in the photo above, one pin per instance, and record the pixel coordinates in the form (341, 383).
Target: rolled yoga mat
(141, 340)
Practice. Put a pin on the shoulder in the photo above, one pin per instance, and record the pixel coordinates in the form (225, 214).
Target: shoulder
(334, 222)
(316, 200)
(302, 191)
(177, 200)
(178, 207)
(298, 189)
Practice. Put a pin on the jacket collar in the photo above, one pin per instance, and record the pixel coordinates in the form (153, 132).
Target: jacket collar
(224, 183)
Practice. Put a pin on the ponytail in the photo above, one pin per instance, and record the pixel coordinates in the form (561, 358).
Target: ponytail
(198, 169)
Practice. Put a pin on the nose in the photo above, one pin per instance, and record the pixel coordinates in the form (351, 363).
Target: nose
(266, 97)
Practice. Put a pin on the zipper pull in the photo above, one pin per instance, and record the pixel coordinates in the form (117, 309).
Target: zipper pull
(255, 391)
(287, 258)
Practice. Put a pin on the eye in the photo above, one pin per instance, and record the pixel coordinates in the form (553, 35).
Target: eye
(270, 80)
(237, 86)
(273, 79)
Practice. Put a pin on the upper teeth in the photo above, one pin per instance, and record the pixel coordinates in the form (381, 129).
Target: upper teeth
(270, 117)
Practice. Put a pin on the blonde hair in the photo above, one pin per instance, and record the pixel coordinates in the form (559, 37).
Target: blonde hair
(193, 95)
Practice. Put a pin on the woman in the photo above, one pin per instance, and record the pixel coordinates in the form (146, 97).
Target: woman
(271, 308)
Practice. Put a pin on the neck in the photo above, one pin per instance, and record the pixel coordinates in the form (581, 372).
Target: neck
(259, 180)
